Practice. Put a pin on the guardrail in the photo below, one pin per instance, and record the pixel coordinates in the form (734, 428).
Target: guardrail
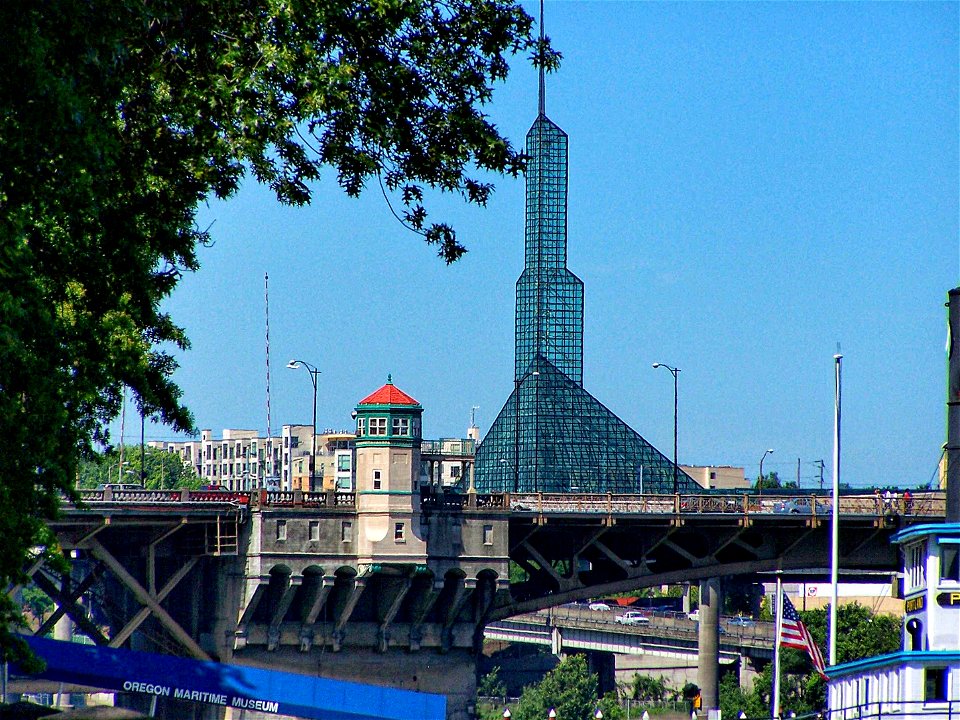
(250, 498)
(677, 626)
(895, 710)
(926, 504)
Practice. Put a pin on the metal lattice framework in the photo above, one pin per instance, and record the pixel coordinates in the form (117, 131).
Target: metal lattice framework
(552, 435)
(549, 296)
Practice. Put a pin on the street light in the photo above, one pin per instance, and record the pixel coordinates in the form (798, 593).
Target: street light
(760, 484)
(119, 466)
(675, 372)
(312, 369)
(516, 429)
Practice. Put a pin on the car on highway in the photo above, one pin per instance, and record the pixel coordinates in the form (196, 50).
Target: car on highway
(741, 621)
(600, 606)
(802, 506)
(118, 486)
(632, 617)
(213, 488)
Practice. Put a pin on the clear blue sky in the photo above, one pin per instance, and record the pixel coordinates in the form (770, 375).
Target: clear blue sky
(750, 184)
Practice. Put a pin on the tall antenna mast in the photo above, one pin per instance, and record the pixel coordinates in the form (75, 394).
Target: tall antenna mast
(266, 302)
(543, 85)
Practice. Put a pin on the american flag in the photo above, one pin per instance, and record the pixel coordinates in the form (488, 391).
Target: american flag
(793, 633)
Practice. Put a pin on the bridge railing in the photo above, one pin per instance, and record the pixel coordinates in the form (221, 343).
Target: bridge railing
(676, 625)
(109, 494)
(897, 710)
(255, 498)
(920, 504)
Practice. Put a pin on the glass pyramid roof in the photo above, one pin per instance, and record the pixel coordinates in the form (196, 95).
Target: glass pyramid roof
(553, 436)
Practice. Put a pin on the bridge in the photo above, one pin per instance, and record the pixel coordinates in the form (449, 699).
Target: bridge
(289, 580)
(571, 629)
(667, 644)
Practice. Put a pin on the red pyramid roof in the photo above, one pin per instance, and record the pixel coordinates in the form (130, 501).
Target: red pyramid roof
(389, 394)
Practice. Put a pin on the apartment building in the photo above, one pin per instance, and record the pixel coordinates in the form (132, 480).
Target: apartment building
(244, 460)
(717, 477)
(239, 460)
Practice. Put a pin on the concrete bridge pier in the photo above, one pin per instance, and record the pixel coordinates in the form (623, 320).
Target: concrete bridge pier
(604, 666)
(708, 660)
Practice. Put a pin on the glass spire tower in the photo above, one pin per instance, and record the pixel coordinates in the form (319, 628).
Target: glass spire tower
(549, 296)
(552, 435)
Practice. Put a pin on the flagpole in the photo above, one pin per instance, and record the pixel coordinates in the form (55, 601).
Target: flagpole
(778, 625)
(835, 534)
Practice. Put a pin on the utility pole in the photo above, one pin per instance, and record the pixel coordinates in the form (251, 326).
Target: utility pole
(820, 464)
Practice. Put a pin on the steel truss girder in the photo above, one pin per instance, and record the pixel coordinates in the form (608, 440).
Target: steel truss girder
(634, 555)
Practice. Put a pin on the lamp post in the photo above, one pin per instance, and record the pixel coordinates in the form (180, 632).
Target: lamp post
(516, 430)
(760, 484)
(312, 369)
(119, 466)
(675, 372)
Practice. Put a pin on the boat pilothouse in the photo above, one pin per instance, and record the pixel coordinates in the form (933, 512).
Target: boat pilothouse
(923, 679)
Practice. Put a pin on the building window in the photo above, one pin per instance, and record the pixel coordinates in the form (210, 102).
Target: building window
(359, 427)
(455, 471)
(488, 534)
(398, 533)
(376, 480)
(916, 574)
(935, 684)
(950, 562)
(346, 531)
(416, 428)
(378, 426)
(314, 531)
(401, 426)
(343, 463)
(713, 475)
(281, 530)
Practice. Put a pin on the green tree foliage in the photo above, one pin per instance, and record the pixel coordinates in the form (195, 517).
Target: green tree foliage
(647, 687)
(163, 470)
(120, 116)
(861, 634)
(37, 602)
(770, 481)
(569, 689)
(491, 685)
(734, 700)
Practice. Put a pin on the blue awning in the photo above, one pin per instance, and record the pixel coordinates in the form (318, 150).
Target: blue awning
(236, 686)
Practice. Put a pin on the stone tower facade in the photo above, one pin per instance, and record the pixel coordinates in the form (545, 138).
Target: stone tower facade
(388, 472)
